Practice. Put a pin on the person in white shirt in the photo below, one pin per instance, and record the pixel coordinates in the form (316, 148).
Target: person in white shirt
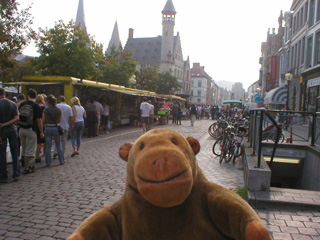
(105, 118)
(145, 114)
(66, 120)
(100, 111)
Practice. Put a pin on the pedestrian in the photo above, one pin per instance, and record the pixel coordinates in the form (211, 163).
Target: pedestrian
(193, 114)
(199, 112)
(92, 118)
(99, 108)
(8, 132)
(20, 98)
(79, 114)
(175, 111)
(40, 141)
(151, 113)
(179, 114)
(51, 117)
(66, 121)
(145, 114)
(29, 120)
(105, 118)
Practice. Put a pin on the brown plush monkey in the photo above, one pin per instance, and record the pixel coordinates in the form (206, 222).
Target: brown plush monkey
(167, 197)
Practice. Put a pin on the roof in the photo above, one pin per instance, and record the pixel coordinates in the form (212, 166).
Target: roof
(115, 40)
(169, 8)
(145, 50)
(199, 72)
(277, 96)
(80, 20)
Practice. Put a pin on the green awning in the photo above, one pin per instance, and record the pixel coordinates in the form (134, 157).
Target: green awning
(232, 101)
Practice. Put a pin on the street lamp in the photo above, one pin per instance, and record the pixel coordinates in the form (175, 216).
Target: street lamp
(289, 77)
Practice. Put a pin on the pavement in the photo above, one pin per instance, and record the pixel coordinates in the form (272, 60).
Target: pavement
(52, 202)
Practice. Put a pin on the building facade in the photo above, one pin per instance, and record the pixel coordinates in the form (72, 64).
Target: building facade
(164, 51)
(201, 90)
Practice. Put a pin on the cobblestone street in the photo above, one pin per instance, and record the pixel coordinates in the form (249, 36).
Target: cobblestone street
(52, 202)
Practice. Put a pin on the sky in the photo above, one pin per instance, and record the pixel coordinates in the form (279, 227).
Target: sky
(223, 36)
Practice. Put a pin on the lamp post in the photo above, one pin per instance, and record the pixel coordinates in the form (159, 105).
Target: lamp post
(289, 77)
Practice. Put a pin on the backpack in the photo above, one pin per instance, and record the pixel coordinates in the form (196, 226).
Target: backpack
(25, 116)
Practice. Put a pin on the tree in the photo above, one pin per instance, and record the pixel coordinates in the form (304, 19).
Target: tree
(15, 33)
(118, 68)
(147, 78)
(167, 84)
(66, 51)
(20, 69)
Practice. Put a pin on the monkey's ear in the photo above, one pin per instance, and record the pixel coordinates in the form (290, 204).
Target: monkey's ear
(195, 145)
(124, 151)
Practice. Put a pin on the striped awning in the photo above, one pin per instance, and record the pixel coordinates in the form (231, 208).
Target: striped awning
(277, 96)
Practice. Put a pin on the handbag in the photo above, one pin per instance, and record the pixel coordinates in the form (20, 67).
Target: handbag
(60, 129)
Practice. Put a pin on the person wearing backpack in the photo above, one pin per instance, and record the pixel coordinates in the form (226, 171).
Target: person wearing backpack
(29, 119)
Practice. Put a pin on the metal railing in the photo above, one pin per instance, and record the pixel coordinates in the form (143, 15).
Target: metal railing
(282, 127)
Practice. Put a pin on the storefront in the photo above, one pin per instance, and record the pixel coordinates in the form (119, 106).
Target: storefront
(313, 94)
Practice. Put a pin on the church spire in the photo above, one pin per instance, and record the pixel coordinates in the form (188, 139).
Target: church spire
(169, 8)
(115, 40)
(80, 20)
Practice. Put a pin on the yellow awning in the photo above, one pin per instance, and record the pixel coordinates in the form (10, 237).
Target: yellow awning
(30, 83)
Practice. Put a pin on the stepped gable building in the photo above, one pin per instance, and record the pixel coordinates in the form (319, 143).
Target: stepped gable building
(164, 51)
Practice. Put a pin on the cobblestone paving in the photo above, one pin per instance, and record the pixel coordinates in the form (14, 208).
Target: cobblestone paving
(52, 202)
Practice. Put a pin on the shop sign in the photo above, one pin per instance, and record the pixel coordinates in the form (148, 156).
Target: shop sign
(313, 82)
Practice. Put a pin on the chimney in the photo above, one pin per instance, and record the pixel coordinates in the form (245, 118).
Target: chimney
(130, 33)
(196, 65)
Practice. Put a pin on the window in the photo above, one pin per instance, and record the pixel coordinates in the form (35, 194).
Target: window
(311, 13)
(191, 92)
(318, 10)
(199, 93)
(317, 49)
(299, 52)
(199, 83)
(292, 57)
(309, 53)
(301, 16)
(306, 12)
(303, 50)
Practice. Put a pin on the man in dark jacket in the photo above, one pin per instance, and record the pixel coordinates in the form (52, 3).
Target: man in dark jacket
(8, 132)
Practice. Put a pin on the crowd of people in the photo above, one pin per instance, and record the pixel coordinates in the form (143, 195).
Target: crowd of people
(33, 123)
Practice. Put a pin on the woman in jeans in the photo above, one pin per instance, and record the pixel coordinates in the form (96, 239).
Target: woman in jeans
(51, 117)
(78, 119)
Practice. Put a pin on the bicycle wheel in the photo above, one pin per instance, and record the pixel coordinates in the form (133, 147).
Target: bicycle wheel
(230, 152)
(237, 153)
(223, 151)
(212, 130)
(216, 148)
(281, 140)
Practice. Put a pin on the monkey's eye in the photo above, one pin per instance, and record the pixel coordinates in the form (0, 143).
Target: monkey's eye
(141, 146)
(174, 142)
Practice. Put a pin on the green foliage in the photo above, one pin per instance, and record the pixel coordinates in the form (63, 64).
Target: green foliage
(18, 70)
(147, 78)
(118, 68)
(15, 33)
(242, 192)
(167, 84)
(66, 51)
